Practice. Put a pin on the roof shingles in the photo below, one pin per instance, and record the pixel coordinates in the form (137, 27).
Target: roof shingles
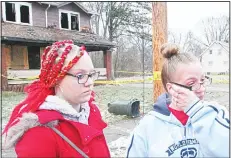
(10, 30)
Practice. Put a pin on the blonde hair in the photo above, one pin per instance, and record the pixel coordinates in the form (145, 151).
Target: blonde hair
(173, 57)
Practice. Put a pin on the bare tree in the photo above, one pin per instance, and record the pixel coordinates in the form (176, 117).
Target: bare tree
(122, 46)
(216, 29)
(187, 42)
(97, 9)
(127, 24)
(212, 29)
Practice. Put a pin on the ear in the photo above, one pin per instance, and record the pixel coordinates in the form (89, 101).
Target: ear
(169, 87)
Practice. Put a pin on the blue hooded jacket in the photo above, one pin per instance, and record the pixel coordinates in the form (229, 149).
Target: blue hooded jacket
(161, 134)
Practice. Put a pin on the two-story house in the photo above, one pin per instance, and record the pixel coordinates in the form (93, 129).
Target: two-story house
(28, 27)
(215, 59)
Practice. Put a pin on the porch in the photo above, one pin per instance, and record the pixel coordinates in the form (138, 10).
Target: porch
(21, 52)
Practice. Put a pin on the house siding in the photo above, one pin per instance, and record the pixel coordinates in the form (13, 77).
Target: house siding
(53, 17)
(39, 19)
(38, 14)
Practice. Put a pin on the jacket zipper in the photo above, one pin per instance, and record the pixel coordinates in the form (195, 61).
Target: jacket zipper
(185, 132)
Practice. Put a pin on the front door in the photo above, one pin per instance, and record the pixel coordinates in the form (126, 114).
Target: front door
(34, 57)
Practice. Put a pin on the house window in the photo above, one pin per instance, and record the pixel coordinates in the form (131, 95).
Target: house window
(210, 63)
(64, 20)
(74, 22)
(69, 20)
(17, 12)
(210, 51)
(25, 14)
(10, 12)
(219, 51)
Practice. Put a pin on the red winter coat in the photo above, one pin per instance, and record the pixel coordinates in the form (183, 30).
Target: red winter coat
(41, 141)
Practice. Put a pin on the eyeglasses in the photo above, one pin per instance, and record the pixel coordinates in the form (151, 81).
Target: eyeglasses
(195, 87)
(83, 78)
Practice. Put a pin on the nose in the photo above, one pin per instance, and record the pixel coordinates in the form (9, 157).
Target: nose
(89, 82)
(201, 89)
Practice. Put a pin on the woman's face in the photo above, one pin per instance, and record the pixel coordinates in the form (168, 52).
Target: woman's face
(189, 75)
(69, 88)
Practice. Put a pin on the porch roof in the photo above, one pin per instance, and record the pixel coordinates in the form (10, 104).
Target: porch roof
(16, 33)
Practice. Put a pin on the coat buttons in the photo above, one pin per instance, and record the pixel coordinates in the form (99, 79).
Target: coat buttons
(86, 139)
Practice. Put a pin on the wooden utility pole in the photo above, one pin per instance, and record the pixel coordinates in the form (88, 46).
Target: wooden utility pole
(159, 37)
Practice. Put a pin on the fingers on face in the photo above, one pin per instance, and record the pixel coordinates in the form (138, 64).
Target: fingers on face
(178, 105)
(178, 96)
(175, 88)
(181, 97)
(179, 100)
(174, 101)
(180, 89)
(174, 91)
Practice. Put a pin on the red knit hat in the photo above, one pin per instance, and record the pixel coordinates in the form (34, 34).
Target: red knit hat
(52, 71)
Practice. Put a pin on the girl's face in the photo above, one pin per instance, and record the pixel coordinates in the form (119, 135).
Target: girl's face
(190, 75)
(74, 90)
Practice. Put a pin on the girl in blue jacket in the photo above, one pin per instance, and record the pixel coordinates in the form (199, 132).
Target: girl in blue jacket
(182, 124)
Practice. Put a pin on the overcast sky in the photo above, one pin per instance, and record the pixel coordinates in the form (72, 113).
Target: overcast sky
(184, 16)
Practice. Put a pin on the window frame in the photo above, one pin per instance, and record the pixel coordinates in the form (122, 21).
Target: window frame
(68, 18)
(17, 12)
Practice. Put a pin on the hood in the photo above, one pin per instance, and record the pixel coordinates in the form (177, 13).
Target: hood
(161, 105)
(30, 120)
(27, 121)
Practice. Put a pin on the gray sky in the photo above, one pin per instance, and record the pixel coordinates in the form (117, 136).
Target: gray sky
(184, 16)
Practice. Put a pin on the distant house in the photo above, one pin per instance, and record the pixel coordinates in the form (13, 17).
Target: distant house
(28, 27)
(215, 59)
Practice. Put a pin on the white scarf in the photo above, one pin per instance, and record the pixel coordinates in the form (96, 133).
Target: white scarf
(68, 112)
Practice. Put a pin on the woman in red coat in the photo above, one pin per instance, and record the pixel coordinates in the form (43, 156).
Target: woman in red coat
(59, 118)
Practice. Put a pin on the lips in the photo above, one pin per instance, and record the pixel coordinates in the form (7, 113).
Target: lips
(201, 97)
(89, 91)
